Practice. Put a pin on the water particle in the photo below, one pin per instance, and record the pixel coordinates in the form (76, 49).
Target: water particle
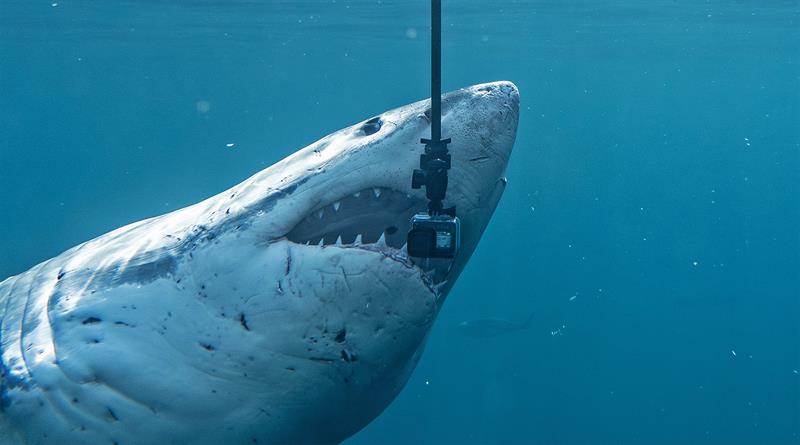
(558, 331)
(411, 33)
(694, 263)
(203, 106)
(733, 352)
(230, 145)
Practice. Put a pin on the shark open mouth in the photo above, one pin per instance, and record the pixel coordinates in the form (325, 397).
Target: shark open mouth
(379, 216)
(375, 219)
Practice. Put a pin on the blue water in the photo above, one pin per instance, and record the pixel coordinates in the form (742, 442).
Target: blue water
(654, 179)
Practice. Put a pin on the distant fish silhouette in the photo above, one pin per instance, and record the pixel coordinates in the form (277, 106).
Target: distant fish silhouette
(492, 327)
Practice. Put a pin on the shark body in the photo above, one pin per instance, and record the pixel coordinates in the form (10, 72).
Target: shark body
(283, 310)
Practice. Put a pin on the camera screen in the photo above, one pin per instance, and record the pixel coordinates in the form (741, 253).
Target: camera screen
(444, 240)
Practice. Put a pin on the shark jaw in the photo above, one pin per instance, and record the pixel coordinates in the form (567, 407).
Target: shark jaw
(374, 220)
(284, 310)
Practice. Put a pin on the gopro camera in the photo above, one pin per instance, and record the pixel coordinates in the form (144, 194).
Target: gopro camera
(434, 236)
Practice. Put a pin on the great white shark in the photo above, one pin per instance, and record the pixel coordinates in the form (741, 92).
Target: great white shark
(283, 310)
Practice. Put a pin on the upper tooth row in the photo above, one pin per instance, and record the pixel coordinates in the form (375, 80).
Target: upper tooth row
(375, 191)
(337, 204)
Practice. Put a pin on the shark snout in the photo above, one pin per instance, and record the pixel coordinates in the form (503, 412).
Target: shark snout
(500, 118)
(508, 94)
(483, 125)
(482, 122)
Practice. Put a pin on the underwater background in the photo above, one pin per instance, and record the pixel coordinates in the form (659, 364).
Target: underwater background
(651, 225)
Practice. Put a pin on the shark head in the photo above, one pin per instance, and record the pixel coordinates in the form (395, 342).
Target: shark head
(352, 189)
(283, 310)
(344, 307)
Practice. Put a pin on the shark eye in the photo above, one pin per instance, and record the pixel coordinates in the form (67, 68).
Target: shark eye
(372, 126)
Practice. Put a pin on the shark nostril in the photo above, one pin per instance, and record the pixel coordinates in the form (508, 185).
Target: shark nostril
(427, 113)
(372, 126)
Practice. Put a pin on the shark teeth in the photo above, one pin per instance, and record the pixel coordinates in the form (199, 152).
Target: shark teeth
(372, 213)
(380, 244)
(437, 287)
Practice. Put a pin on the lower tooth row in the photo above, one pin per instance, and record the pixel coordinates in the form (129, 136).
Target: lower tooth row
(358, 241)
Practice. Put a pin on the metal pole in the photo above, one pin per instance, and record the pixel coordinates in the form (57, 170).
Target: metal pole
(436, 70)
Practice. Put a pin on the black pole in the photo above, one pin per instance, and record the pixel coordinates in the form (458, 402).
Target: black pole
(436, 70)
(435, 162)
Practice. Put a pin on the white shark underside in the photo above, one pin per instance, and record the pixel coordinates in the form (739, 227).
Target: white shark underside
(283, 310)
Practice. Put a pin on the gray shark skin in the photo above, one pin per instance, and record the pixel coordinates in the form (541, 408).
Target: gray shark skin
(283, 310)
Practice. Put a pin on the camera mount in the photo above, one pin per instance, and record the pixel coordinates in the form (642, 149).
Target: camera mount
(432, 174)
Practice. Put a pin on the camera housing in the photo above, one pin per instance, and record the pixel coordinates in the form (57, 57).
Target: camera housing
(436, 236)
